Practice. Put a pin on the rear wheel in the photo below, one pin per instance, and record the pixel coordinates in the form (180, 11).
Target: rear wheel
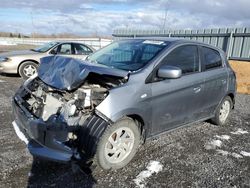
(118, 144)
(223, 111)
(27, 69)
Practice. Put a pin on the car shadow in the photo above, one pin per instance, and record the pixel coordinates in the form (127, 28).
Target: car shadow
(10, 75)
(51, 174)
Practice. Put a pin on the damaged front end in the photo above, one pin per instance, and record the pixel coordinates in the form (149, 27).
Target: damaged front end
(62, 123)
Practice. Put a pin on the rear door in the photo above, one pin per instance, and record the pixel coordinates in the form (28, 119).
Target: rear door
(216, 78)
(178, 101)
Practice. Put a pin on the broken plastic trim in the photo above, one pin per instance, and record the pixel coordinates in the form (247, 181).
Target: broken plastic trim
(103, 116)
(89, 135)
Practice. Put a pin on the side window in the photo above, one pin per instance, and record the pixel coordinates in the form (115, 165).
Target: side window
(64, 49)
(184, 57)
(212, 58)
(81, 49)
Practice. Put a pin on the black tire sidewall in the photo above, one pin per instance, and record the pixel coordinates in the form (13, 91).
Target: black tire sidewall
(100, 156)
(20, 71)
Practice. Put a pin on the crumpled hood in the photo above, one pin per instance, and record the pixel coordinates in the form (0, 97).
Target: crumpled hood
(66, 73)
(17, 53)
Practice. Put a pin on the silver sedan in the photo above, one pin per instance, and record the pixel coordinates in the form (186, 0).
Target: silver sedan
(26, 62)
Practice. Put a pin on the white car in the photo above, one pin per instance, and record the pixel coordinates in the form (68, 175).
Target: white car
(26, 62)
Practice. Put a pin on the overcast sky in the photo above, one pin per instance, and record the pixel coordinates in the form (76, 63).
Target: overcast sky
(103, 16)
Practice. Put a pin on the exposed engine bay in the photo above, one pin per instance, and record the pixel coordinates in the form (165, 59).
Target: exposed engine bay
(70, 117)
(71, 106)
(57, 109)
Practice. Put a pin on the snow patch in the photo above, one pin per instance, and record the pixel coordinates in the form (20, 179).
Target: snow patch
(213, 144)
(226, 153)
(7, 43)
(223, 137)
(222, 152)
(239, 131)
(244, 153)
(152, 167)
(236, 155)
(1, 81)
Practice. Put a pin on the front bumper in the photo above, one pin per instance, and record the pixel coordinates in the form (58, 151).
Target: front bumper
(43, 140)
(9, 67)
(50, 139)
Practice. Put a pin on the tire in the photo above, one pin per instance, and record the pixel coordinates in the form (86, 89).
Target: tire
(27, 69)
(221, 116)
(114, 153)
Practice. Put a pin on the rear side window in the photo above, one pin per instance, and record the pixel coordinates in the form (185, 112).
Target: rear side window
(82, 49)
(184, 57)
(212, 58)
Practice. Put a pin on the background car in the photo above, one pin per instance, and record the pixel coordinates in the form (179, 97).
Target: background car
(25, 63)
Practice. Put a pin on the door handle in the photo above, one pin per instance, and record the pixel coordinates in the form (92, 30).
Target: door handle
(197, 89)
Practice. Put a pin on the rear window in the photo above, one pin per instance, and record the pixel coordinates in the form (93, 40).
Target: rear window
(212, 58)
(81, 49)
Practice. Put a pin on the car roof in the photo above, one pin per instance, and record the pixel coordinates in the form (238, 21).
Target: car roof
(167, 39)
(75, 42)
(68, 41)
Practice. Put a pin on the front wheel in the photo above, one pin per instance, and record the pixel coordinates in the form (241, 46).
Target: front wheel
(222, 112)
(27, 69)
(118, 144)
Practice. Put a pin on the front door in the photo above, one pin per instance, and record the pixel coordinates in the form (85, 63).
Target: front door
(178, 101)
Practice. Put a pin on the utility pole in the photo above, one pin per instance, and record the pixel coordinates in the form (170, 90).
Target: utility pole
(32, 23)
(165, 19)
(165, 15)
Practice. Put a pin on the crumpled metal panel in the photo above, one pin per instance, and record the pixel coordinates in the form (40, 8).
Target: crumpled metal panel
(66, 73)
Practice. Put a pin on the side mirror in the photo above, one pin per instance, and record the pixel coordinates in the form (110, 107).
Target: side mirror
(166, 71)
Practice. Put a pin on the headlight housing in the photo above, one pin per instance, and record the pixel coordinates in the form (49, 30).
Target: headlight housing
(4, 59)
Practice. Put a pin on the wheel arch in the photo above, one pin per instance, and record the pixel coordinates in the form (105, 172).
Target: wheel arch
(141, 124)
(32, 60)
(232, 96)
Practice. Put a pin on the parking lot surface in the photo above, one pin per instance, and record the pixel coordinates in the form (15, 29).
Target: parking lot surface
(199, 155)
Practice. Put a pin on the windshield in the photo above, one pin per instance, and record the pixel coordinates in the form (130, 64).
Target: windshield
(45, 47)
(128, 55)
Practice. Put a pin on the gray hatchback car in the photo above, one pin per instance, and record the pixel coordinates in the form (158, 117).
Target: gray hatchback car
(105, 107)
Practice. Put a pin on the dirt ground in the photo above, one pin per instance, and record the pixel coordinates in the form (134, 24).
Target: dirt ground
(242, 69)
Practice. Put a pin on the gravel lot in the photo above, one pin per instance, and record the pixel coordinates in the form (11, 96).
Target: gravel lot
(200, 155)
